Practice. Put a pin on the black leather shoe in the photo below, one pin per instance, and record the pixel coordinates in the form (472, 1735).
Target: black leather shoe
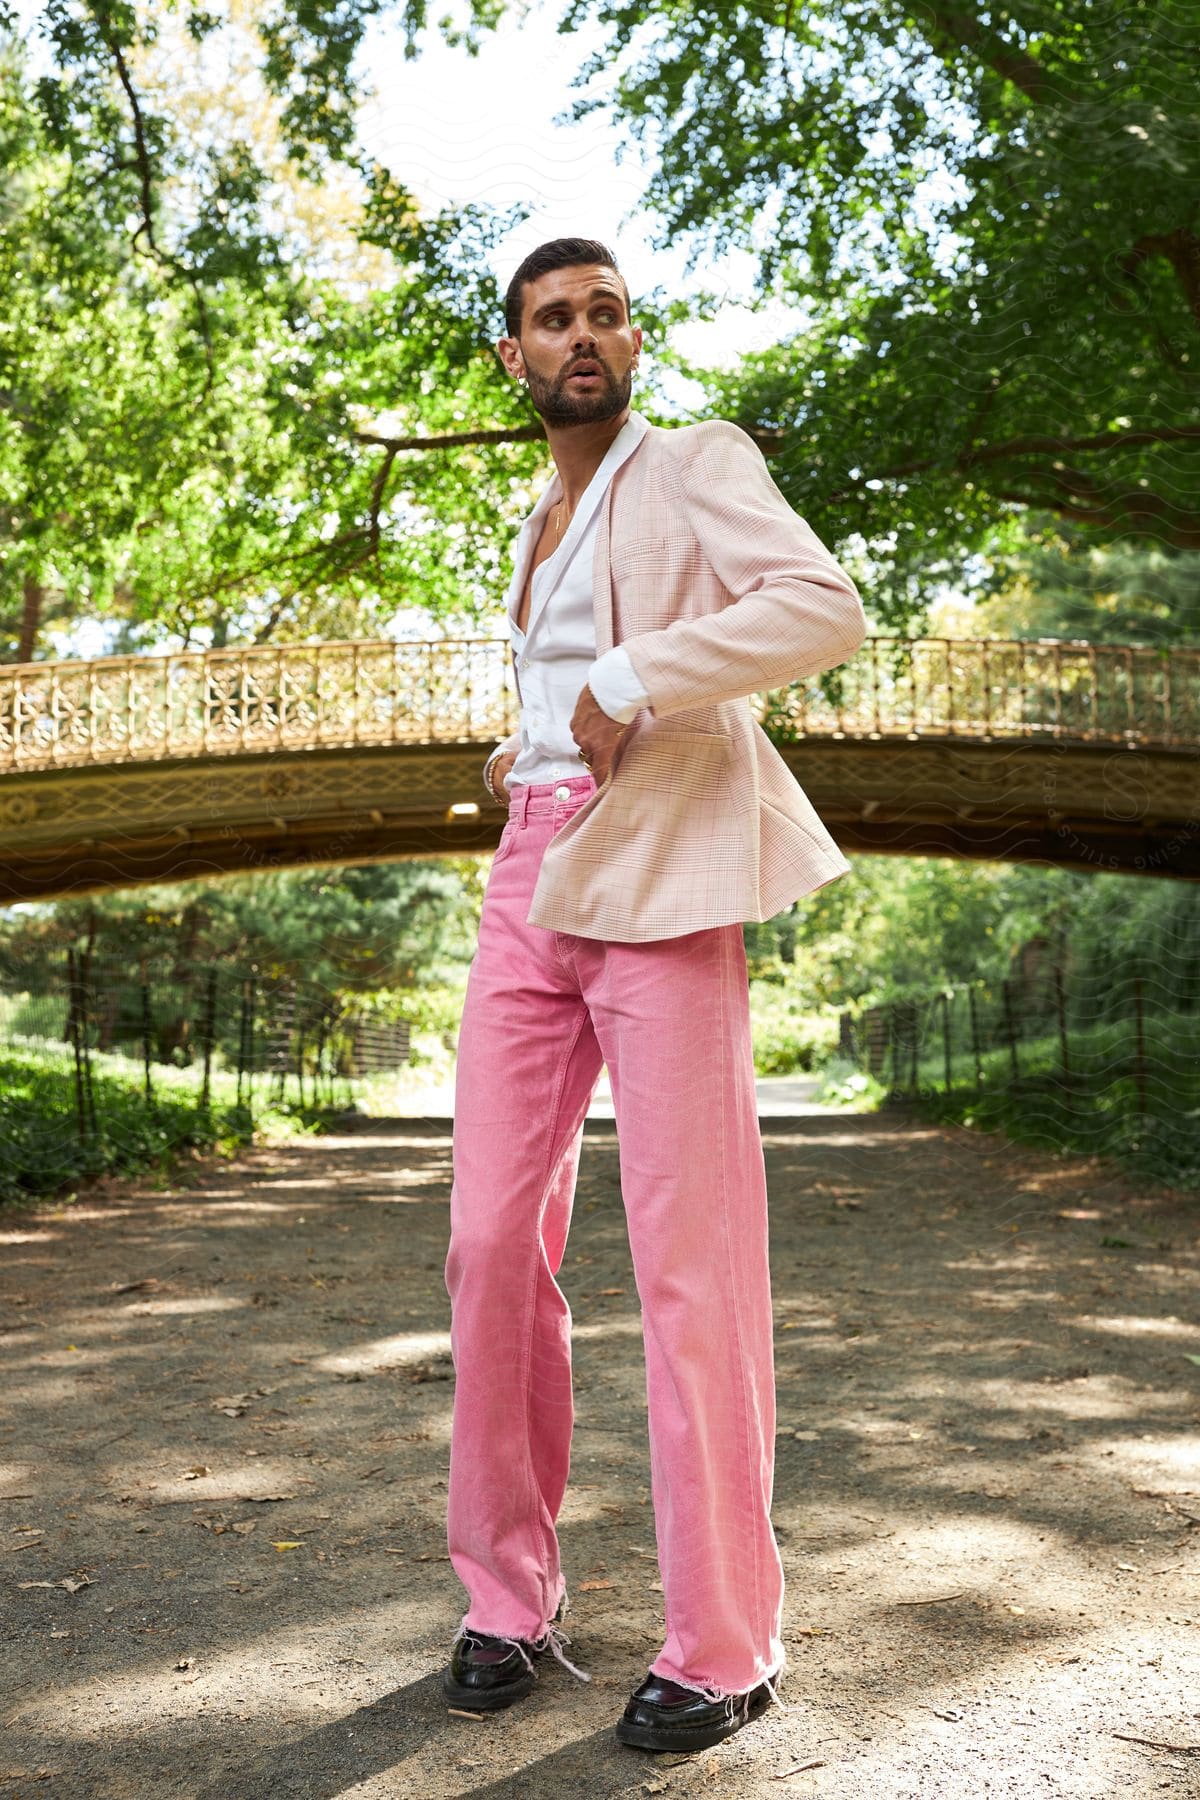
(488, 1672)
(662, 1715)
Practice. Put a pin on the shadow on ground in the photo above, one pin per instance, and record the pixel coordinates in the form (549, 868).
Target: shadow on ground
(222, 1482)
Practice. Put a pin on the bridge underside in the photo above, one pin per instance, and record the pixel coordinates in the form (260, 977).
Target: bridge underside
(80, 830)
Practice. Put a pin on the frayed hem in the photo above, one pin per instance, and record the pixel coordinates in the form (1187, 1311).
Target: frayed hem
(734, 1695)
(499, 1637)
(553, 1640)
(552, 1637)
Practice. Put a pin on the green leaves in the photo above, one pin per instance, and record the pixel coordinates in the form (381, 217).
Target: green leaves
(198, 348)
(989, 219)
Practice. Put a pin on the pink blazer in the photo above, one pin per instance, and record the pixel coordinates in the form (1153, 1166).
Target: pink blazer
(717, 590)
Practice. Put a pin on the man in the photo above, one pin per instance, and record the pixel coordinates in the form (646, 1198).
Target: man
(660, 581)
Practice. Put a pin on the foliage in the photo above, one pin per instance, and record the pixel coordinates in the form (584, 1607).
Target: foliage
(843, 1083)
(901, 926)
(209, 365)
(383, 925)
(1122, 593)
(1096, 1110)
(990, 218)
(790, 1036)
(40, 1150)
(227, 328)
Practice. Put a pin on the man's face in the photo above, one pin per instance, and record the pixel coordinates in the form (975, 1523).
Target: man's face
(577, 347)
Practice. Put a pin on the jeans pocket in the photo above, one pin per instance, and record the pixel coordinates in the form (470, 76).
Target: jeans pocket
(508, 838)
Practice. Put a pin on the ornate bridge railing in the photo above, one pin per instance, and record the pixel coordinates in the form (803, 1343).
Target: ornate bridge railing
(455, 690)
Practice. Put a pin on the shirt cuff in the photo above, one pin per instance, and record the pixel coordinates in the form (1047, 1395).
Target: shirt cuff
(615, 685)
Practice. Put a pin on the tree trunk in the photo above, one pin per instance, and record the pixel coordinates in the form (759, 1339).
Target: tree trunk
(33, 596)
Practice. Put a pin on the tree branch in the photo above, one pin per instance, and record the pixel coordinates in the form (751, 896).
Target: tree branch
(141, 162)
(1151, 515)
(378, 488)
(1017, 66)
(33, 596)
(456, 440)
(1182, 250)
(1046, 446)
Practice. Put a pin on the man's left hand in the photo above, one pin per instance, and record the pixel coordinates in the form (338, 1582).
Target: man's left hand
(596, 734)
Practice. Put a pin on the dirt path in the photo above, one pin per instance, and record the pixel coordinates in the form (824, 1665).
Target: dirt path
(227, 1417)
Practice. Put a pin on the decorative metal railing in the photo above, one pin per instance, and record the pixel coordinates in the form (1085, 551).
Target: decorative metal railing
(455, 690)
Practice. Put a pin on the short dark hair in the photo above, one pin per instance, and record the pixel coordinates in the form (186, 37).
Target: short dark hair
(559, 253)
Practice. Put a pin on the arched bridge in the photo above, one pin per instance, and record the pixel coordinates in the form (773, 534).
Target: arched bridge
(157, 768)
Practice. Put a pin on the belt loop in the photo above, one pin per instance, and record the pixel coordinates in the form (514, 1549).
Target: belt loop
(520, 802)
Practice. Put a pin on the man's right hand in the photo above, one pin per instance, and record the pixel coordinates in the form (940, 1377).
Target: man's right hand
(496, 774)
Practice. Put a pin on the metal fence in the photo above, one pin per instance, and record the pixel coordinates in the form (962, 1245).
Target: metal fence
(94, 1050)
(1111, 1050)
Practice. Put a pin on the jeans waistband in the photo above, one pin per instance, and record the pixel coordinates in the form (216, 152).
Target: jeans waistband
(543, 797)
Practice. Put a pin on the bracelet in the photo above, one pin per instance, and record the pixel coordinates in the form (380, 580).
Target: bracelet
(487, 775)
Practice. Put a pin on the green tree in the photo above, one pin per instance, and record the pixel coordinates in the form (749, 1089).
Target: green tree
(1062, 585)
(219, 379)
(990, 217)
(388, 925)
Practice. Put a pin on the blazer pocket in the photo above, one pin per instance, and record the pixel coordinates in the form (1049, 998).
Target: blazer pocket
(692, 764)
(635, 553)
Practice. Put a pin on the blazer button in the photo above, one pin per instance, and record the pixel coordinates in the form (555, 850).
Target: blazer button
(562, 793)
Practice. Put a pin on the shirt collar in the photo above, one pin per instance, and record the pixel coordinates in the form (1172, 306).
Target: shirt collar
(621, 448)
(623, 445)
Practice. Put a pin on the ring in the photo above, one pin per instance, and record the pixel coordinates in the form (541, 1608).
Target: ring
(585, 759)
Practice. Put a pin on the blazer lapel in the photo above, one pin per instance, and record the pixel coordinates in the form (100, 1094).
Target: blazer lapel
(627, 481)
(602, 607)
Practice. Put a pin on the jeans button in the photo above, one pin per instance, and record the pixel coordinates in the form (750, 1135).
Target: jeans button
(562, 793)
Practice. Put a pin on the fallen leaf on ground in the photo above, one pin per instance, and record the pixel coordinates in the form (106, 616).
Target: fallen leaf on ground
(589, 1587)
(287, 1544)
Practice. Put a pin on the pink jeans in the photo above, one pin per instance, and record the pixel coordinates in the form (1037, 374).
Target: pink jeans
(544, 1010)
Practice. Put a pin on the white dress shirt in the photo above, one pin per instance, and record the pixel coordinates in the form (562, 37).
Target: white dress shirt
(556, 654)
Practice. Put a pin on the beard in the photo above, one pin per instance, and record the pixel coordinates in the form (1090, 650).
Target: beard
(558, 404)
